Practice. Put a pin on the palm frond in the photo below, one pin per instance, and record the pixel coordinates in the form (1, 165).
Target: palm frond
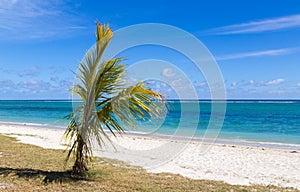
(129, 107)
(110, 78)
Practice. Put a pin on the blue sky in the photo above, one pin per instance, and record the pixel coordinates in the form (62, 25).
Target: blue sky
(256, 43)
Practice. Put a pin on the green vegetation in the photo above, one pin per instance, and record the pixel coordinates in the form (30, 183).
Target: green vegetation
(107, 102)
(30, 168)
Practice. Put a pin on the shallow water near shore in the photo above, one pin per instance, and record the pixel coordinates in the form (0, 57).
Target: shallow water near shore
(272, 123)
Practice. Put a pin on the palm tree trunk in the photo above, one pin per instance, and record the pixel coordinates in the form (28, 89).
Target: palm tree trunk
(80, 165)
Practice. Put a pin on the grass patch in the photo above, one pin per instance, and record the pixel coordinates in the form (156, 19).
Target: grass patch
(29, 168)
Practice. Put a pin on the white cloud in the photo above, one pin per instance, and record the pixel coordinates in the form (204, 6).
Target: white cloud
(272, 52)
(277, 91)
(37, 19)
(201, 84)
(274, 82)
(54, 78)
(6, 83)
(177, 83)
(34, 71)
(34, 88)
(270, 24)
(66, 83)
(31, 84)
(31, 72)
(298, 84)
(233, 84)
(251, 82)
(163, 85)
(168, 72)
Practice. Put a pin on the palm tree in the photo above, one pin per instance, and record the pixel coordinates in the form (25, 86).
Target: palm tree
(106, 102)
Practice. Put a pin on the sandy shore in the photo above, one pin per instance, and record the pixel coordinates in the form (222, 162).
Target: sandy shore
(233, 164)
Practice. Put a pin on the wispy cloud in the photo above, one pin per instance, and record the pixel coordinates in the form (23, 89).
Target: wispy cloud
(34, 88)
(6, 83)
(267, 84)
(272, 52)
(262, 84)
(271, 24)
(37, 19)
(168, 72)
(34, 71)
(29, 72)
(274, 82)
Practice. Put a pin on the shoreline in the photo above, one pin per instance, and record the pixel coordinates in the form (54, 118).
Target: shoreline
(234, 164)
(221, 141)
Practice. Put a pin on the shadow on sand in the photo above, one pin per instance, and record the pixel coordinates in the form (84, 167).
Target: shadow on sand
(49, 176)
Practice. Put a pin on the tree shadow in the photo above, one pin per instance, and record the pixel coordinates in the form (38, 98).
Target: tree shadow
(49, 176)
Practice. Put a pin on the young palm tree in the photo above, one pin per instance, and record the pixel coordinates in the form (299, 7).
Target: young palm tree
(106, 102)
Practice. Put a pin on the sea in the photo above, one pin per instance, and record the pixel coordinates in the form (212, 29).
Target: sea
(270, 123)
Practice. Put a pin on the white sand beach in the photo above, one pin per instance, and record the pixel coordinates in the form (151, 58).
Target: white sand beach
(233, 164)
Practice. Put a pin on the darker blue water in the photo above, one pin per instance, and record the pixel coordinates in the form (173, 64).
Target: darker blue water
(37, 112)
(267, 121)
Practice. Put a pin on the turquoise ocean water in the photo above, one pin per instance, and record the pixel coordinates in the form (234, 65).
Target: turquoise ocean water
(259, 121)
